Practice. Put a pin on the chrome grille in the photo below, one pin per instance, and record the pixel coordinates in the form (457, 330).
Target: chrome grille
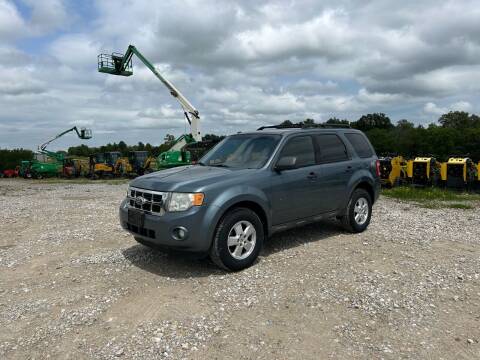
(147, 200)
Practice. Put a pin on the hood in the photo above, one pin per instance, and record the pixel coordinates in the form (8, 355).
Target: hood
(186, 178)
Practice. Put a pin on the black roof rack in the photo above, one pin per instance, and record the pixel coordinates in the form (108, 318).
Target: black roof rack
(302, 126)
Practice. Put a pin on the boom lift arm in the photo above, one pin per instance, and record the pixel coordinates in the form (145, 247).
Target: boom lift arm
(118, 64)
(82, 134)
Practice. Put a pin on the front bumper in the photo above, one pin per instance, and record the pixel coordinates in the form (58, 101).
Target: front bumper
(159, 230)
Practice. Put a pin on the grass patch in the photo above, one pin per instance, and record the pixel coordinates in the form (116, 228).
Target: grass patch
(460, 206)
(433, 198)
(427, 194)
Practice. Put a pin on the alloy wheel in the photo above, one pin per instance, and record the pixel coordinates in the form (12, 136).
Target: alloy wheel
(360, 211)
(241, 241)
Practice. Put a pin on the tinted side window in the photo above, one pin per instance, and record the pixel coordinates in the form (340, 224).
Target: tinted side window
(302, 148)
(360, 144)
(331, 147)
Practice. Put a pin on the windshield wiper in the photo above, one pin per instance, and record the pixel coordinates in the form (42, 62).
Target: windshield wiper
(201, 163)
(220, 165)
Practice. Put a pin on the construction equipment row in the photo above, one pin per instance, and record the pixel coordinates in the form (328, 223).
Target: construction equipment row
(458, 172)
(96, 166)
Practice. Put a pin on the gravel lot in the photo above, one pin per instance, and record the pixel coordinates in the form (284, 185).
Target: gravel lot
(74, 285)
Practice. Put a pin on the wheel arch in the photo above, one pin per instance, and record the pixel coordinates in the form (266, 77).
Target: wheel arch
(250, 204)
(365, 185)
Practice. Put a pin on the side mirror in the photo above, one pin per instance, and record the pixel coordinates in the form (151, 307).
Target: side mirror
(286, 163)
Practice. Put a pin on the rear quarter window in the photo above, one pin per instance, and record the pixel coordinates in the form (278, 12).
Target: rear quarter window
(360, 145)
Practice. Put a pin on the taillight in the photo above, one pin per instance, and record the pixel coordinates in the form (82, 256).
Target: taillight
(377, 167)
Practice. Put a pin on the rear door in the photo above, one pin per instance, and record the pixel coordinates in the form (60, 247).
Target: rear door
(292, 189)
(336, 170)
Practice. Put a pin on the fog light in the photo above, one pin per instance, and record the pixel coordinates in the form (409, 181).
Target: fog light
(180, 233)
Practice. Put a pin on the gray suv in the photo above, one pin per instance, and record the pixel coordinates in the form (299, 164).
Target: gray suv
(252, 185)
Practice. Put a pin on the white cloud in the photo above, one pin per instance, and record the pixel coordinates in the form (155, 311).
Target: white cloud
(20, 81)
(319, 36)
(76, 51)
(11, 22)
(47, 15)
(432, 108)
(371, 98)
(461, 106)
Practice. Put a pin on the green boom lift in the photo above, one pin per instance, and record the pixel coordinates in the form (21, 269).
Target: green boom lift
(40, 169)
(121, 64)
(83, 133)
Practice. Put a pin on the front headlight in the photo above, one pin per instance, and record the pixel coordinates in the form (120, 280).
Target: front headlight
(184, 201)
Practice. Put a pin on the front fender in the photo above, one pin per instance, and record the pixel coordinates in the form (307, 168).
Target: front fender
(234, 195)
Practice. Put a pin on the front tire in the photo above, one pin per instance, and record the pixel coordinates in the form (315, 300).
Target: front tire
(358, 212)
(238, 240)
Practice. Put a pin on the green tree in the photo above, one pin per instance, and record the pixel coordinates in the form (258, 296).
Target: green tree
(335, 121)
(459, 120)
(405, 124)
(373, 121)
(309, 122)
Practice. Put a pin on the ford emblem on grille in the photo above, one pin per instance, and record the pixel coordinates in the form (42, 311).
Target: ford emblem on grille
(139, 200)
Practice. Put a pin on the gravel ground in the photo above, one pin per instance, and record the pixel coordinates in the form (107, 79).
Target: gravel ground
(74, 285)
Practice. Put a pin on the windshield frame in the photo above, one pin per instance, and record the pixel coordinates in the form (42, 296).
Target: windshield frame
(278, 137)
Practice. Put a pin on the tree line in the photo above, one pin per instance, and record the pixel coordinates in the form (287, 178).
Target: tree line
(455, 133)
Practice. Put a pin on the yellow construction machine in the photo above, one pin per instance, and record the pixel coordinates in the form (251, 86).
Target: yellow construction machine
(393, 170)
(112, 164)
(103, 164)
(141, 162)
(122, 167)
(75, 167)
(459, 172)
(424, 171)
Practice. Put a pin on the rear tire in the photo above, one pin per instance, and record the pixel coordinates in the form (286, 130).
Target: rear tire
(238, 240)
(358, 212)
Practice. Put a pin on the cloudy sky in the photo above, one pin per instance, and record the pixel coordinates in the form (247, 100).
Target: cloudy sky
(243, 64)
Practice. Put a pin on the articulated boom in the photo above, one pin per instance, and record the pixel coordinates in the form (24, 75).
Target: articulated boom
(118, 64)
(82, 134)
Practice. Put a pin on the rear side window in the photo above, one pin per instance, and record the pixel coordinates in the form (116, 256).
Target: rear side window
(302, 148)
(332, 148)
(360, 145)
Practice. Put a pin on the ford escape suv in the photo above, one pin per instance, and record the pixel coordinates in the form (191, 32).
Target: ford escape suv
(252, 185)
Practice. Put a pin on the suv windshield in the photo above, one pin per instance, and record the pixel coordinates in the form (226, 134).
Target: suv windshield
(242, 151)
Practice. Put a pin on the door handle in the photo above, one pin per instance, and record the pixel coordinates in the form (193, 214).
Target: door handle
(348, 169)
(312, 176)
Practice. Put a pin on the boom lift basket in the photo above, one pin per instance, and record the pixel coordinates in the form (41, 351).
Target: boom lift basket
(112, 64)
(85, 133)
